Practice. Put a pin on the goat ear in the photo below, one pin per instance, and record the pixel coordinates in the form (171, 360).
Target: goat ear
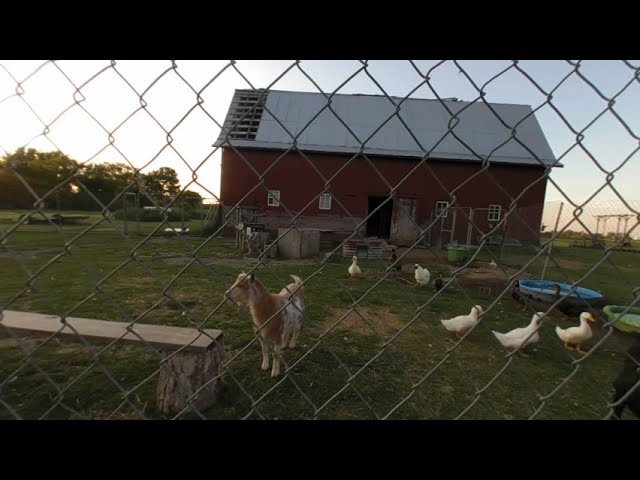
(252, 278)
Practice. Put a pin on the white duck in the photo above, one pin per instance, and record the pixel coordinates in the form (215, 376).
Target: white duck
(462, 323)
(519, 338)
(493, 264)
(577, 335)
(422, 275)
(354, 269)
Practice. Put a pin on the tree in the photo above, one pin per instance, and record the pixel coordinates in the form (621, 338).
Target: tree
(161, 185)
(191, 199)
(46, 173)
(70, 185)
(105, 181)
(13, 194)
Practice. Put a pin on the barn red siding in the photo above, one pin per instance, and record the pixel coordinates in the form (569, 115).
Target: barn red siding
(299, 183)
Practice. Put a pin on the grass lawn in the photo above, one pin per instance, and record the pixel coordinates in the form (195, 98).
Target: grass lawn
(390, 356)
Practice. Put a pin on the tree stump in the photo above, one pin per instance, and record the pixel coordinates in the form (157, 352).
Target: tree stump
(184, 373)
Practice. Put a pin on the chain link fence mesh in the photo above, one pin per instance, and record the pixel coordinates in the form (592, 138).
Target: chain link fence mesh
(145, 250)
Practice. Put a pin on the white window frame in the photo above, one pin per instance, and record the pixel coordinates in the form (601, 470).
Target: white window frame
(327, 204)
(493, 209)
(442, 205)
(273, 198)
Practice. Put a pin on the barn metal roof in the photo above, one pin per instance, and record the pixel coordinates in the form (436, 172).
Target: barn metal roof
(365, 115)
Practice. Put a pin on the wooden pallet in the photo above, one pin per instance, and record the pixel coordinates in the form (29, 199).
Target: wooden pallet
(372, 249)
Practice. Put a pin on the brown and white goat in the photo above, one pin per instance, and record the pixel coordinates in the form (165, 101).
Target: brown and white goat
(276, 317)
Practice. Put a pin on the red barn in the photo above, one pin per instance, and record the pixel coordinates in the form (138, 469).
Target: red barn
(332, 162)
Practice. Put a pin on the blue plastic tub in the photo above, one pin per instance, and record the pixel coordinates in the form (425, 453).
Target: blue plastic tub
(572, 303)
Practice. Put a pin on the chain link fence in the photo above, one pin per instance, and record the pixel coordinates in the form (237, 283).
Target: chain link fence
(118, 273)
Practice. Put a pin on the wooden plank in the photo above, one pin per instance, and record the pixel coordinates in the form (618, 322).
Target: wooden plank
(162, 337)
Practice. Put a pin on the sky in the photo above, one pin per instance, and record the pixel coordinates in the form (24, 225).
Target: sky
(70, 95)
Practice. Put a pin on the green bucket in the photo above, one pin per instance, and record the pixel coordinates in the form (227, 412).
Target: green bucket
(457, 254)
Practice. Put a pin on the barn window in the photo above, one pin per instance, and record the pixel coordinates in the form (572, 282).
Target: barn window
(494, 213)
(245, 113)
(273, 198)
(324, 202)
(442, 207)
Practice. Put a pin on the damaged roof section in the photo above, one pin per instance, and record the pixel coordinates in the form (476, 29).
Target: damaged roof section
(448, 129)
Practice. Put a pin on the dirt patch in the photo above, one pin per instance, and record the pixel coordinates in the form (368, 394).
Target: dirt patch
(447, 389)
(564, 263)
(482, 279)
(8, 343)
(28, 343)
(246, 262)
(70, 349)
(370, 321)
(482, 271)
(479, 276)
(404, 277)
(490, 280)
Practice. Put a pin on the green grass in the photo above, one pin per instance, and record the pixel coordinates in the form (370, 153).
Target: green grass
(388, 373)
(8, 218)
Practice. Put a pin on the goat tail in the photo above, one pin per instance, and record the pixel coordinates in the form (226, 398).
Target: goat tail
(300, 289)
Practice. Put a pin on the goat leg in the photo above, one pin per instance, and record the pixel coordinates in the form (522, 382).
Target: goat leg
(294, 338)
(265, 355)
(277, 353)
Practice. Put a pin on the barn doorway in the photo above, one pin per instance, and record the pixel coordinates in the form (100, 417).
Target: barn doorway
(379, 224)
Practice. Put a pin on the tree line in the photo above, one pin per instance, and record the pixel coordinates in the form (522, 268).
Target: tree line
(26, 172)
(583, 235)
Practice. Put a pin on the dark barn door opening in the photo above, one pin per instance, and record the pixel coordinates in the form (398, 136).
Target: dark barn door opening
(379, 224)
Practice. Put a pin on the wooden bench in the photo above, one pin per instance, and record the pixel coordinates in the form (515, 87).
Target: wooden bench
(198, 362)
